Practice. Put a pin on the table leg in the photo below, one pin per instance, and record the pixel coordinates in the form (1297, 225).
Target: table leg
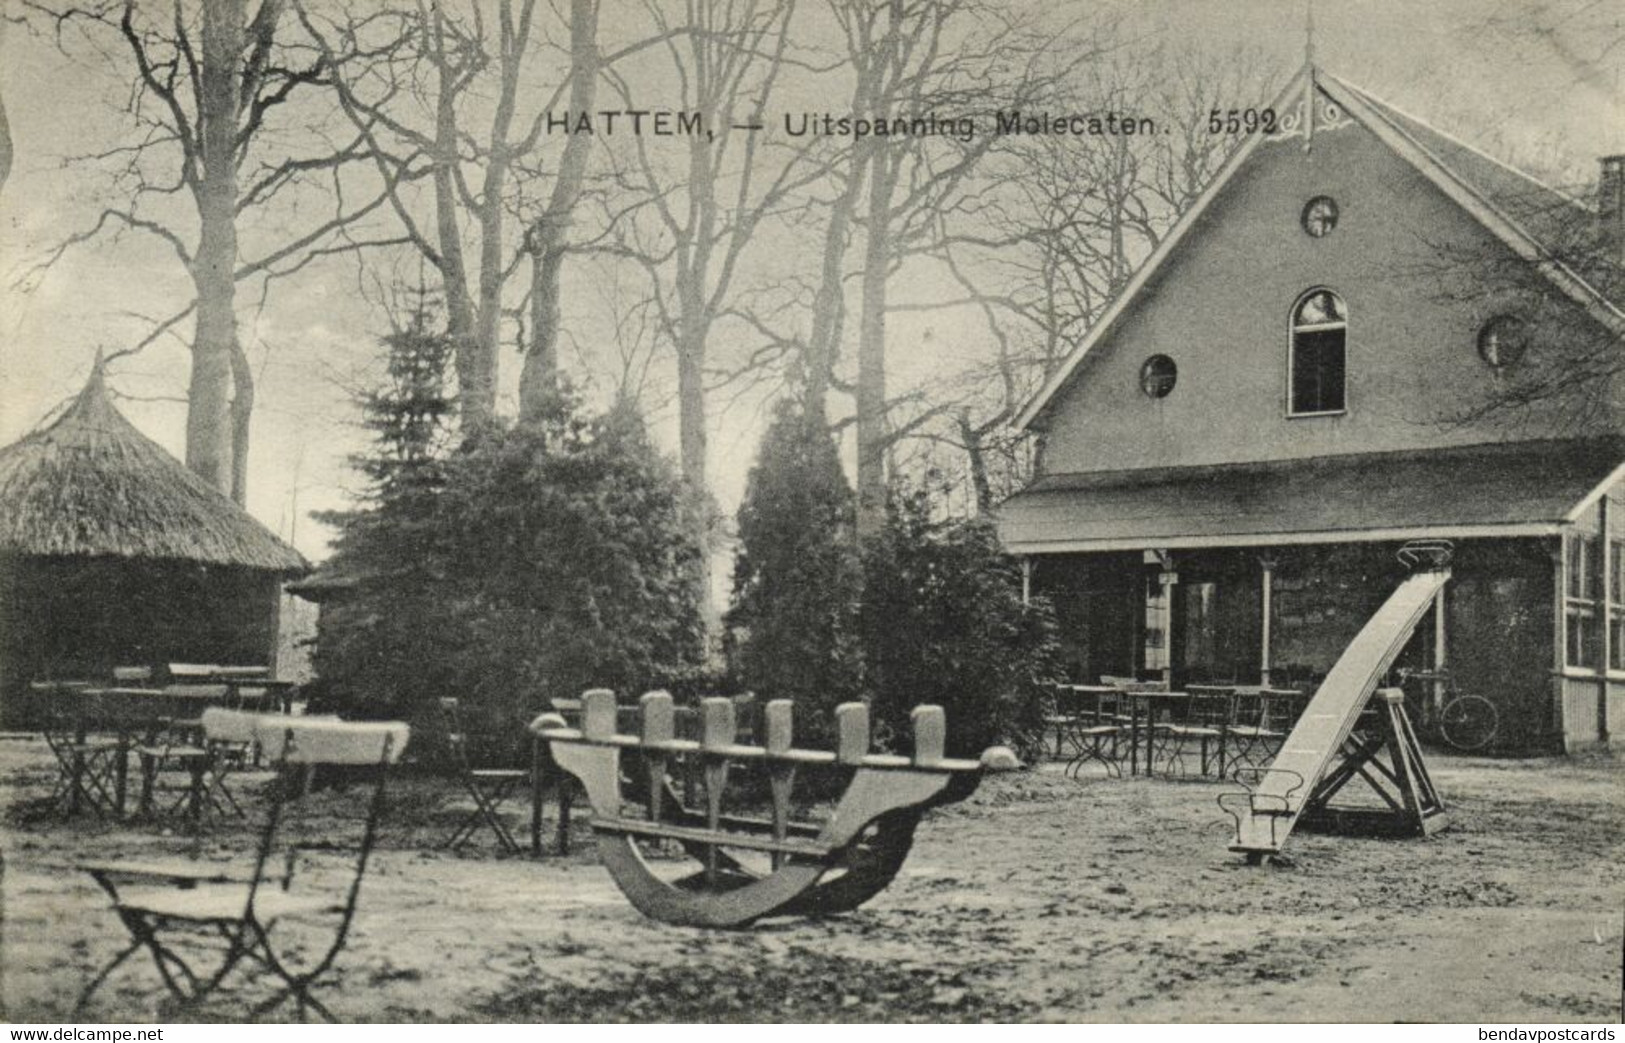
(144, 808)
(565, 790)
(121, 774)
(195, 794)
(76, 781)
(1134, 738)
(536, 798)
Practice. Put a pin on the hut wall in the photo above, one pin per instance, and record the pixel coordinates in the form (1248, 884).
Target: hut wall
(79, 617)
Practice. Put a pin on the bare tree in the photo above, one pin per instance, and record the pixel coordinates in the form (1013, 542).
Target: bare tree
(919, 59)
(1552, 314)
(547, 239)
(207, 93)
(412, 106)
(1062, 224)
(695, 222)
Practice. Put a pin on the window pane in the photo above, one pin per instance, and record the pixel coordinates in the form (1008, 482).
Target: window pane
(1616, 641)
(1616, 558)
(1581, 582)
(1317, 371)
(1583, 639)
(1321, 306)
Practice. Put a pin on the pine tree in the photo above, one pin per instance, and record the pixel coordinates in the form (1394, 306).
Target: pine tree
(792, 628)
(375, 641)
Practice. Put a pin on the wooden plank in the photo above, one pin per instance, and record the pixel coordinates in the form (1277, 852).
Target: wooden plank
(1332, 713)
(711, 837)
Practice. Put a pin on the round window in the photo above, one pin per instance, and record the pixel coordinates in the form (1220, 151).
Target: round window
(1319, 216)
(1502, 341)
(1158, 375)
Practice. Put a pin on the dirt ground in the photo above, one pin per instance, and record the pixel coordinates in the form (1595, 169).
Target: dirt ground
(1040, 899)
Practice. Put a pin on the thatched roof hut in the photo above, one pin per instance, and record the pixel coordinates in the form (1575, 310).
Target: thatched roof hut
(113, 552)
(91, 484)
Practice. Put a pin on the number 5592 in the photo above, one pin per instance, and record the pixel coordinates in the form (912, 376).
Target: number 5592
(1241, 121)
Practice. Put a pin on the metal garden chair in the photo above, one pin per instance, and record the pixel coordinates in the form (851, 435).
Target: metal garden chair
(490, 788)
(178, 759)
(230, 738)
(86, 763)
(1200, 725)
(183, 913)
(1087, 727)
(1263, 717)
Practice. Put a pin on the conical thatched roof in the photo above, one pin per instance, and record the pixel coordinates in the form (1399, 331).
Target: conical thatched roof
(91, 484)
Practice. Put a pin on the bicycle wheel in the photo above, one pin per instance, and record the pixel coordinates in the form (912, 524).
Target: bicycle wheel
(1468, 722)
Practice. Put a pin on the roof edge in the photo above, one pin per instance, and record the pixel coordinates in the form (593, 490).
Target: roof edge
(1616, 443)
(1286, 539)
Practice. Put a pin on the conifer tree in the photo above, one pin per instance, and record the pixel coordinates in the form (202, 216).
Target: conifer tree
(792, 628)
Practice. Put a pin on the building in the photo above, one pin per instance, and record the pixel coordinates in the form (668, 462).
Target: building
(113, 553)
(1325, 358)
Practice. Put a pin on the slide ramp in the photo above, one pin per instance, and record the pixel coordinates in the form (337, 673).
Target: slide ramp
(1271, 808)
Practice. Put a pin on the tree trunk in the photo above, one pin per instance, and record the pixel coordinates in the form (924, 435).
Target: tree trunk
(538, 379)
(693, 448)
(978, 462)
(828, 304)
(871, 405)
(476, 383)
(5, 127)
(242, 410)
(208, 416)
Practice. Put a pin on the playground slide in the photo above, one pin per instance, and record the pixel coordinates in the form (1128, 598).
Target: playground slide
(1282, 789)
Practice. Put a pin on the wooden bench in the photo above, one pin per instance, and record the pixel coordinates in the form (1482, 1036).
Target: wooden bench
(750, 868)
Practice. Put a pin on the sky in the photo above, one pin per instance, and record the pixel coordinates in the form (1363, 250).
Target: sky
(1533, 83)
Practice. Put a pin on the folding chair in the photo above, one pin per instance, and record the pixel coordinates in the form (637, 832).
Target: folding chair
(490, 787)
(85, 763)
(1087, 727)
(230, 738)
(1263, 718)
(198, 910)
(1202, 719)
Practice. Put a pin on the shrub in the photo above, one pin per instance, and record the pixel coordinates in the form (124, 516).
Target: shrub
(943, 622)
(538, 561)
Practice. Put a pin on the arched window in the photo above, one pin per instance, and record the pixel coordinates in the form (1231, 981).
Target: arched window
(1320, 327)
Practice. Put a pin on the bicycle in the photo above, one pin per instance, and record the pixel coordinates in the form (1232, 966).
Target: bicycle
(1464, 722)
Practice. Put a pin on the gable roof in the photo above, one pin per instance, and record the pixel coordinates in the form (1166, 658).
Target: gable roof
(1548, 214)
(1525, 214)
(91, 484)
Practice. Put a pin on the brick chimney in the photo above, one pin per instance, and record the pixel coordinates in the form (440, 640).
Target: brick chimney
(1611, 207)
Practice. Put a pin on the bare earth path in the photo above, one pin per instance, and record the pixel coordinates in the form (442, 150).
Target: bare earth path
(1039, 899)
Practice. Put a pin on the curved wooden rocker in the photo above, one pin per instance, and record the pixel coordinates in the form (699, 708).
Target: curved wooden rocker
(805, 868)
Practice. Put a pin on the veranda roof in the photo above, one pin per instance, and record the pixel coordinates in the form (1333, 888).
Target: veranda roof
(1504, 489)
(91, 484)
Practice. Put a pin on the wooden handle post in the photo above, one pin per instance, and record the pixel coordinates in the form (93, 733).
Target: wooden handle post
(659, 726)
(852, 721)
(781, 775)
(930, 734)
(717, 733)
(598, 713)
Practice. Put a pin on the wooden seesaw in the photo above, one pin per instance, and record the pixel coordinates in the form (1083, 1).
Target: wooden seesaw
(752, 868)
